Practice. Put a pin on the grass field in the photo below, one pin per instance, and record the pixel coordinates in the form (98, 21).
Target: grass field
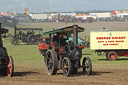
(30, 68)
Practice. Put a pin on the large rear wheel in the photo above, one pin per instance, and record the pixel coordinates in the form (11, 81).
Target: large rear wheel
(87, 66)
(51, 62)
(66, 66)
(32, 39)
(10, 66)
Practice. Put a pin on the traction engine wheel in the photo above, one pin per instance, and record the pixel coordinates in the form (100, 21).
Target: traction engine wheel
(10, 66)
(112, 55)
(66, 66)
(32, 39)
(15, 41)
(87, 66)
(51, 62)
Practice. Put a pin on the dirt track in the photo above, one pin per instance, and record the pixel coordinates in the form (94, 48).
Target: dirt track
(102, 75)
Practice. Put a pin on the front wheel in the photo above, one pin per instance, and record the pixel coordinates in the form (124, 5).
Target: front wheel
(87, 66)
(51, 62)
(10, 66)
(15, 41)
(66, 66)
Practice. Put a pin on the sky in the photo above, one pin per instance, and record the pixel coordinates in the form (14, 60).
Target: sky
(40, 6)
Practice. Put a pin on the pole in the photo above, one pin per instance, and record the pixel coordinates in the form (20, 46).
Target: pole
(15, 32)
(85, 38)
(1, 42)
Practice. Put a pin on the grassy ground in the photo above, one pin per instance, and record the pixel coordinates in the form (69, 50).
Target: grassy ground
(24, 55)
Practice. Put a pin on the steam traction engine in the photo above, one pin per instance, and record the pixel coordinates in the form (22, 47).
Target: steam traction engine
(66, 57)
(6, 62)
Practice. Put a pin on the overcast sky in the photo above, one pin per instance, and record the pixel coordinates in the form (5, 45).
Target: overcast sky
(62, 5)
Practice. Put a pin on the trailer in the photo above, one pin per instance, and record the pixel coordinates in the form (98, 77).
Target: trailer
(113, 43)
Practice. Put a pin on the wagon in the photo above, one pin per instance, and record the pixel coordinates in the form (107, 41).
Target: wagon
(26, 35)
(111, 43)
(6, 62)
(62, 54)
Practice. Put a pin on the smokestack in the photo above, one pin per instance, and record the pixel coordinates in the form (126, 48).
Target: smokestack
(75, 34)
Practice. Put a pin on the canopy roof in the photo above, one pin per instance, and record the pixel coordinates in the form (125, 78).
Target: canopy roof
(29, 29)
(64, 30)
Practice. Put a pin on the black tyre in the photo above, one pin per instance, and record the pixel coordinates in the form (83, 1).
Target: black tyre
(87, 66)
(15, 41)
(10, 66)
(111, 55)
(106, 54)
(32, 39)
(51, 62)
(66, 66)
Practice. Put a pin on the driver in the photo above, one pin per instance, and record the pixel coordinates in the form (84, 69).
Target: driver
(56, 39)
(63, 39)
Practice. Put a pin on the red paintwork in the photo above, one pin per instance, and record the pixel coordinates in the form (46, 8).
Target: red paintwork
(122, 53)
(82, 46)
(112, 56)
(43, 45)
(9, 67)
